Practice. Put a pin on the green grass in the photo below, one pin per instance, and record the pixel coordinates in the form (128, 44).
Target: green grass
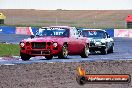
(9, 49)
(21, 25)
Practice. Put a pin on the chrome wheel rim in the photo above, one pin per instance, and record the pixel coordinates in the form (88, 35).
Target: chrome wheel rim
(65, 51)
(86, 50)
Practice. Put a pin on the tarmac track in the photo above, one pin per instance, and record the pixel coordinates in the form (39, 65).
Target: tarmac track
(61, 73)
(122, 51)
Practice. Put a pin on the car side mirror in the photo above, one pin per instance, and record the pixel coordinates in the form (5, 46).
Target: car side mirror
(32, 36)
(108, 36)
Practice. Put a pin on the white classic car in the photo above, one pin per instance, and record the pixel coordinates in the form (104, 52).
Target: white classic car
(99, 40)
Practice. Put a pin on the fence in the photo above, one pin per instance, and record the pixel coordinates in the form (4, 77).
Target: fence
(92, 23)
(18, 30)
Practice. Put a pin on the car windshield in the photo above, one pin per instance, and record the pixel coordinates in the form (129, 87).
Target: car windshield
(63, 32)
(93, 33)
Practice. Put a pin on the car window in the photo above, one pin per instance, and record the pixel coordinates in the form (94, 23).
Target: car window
(74, 32)
(93, 33)
(64, 32)
(105, 35)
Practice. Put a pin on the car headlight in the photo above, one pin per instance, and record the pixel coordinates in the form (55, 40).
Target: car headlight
(102, 41)
(22, 44)
(55, 44)
(92, 41)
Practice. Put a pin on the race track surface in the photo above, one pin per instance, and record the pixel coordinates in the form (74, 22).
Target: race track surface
(122, 51)
(62, 73)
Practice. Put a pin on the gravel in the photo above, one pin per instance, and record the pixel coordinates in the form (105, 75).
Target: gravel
(60, 75)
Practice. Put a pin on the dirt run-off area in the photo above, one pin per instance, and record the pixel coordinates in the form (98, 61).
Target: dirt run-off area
(60, 75)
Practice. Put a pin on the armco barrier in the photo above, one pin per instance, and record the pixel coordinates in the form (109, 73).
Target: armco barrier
(26, 30)
(130, 33)
(32, 30)
(121, 33)
(110, 31)
(7, 30)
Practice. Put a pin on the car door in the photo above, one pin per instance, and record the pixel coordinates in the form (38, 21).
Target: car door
(73, 42)
(81, 42)
(108, 40)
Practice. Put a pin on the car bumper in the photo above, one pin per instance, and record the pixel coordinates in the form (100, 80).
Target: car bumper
(97, 48)
(40, 52)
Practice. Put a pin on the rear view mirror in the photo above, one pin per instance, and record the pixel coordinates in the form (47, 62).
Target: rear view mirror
(32, 36)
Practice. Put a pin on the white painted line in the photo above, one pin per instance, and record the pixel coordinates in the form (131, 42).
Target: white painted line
(9, 64)
(1, 59)
(50, 62)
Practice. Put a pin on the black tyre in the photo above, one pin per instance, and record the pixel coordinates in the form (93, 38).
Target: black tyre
(64, 52)
(85, 52)
(49, 57)
(104, 51)
(25, 57)
(111, 50)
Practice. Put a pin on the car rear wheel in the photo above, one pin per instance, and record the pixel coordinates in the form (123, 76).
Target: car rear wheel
(85, 52)
(64, 52)
(25, 57)
(111, 50)
(48, 57)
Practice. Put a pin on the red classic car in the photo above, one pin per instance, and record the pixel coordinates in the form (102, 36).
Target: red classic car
(52, 41)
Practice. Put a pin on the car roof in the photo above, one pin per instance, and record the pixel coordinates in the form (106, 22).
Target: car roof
(60, 26)
(95, 29)
(68, 27)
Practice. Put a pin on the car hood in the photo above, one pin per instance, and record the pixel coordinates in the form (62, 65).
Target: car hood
(45, 39)
(95, 39)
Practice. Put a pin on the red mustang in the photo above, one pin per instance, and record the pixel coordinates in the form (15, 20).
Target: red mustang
(52, 41)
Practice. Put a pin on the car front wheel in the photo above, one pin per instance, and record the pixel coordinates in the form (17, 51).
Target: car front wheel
(49, 57)
(85, 52)
(64, 52)
(25, 57)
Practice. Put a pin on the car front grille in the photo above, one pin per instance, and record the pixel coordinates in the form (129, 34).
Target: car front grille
(40, 52)
(92, 44)
(38, 45)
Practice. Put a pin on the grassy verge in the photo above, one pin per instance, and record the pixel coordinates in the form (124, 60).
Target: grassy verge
(21, 25)
(9, 49)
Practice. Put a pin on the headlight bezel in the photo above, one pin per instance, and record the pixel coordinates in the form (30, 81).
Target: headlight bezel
(55, 44)
(22, 44)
